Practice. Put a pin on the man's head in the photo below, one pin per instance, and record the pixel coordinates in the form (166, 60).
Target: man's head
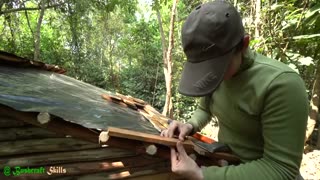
(213, 40)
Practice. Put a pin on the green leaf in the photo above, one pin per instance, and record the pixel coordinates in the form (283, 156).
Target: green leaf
(293, 56)
(313, 10)
(275, 6)
(306, 61)
(294, 67)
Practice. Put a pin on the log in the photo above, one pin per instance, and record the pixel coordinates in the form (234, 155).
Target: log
(151, 149)
(150, 138)
(85, 168)
(43, 117)
(8, 122)
(56, 125)
(155, 168)
(19, 147)
(133, 145)
(47, 159)
(28, 132)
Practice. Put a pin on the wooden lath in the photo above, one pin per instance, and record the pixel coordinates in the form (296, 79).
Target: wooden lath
(160, 122)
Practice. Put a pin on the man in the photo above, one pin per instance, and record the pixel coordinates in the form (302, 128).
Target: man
(261, 104)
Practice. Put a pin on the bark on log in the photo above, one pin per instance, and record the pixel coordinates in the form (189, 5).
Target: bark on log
(22, 133)
(65, 157)
(85, 168)
(56, 125)
(8, 122)
(19, 147)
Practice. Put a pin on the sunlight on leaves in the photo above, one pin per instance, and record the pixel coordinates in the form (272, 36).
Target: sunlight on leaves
(306, 61)
(294, 67)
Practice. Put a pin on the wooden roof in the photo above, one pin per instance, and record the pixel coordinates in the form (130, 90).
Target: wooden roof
(9, 59)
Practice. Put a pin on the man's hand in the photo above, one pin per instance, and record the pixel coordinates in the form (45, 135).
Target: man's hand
(183, 165)
(177, 128)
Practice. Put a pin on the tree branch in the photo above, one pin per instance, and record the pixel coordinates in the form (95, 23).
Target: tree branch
(28, 21)
(29, 9)
(38, 32)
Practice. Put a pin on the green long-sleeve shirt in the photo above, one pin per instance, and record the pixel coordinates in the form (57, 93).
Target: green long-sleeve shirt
(262, 114)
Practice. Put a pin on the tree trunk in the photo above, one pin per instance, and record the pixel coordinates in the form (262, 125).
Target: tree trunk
(257, 18)
(163, 38)
(168, 107)
(164, 56)
(29, 25)
(314, 104)
(38, 32)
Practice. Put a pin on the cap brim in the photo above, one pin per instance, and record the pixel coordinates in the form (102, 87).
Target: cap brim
(203, 78)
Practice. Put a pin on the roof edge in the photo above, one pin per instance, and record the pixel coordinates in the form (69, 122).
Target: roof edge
(10, 59)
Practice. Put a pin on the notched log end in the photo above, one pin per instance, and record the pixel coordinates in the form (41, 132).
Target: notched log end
(151, 149)
(104, 137)
(43, 117)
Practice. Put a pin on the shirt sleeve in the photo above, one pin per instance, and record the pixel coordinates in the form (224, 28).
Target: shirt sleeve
(283, 119)
(201, 116)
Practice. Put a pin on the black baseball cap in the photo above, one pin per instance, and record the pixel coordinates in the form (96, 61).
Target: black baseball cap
(209, 37)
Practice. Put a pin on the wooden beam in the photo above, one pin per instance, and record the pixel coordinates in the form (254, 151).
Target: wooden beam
(57, 125)
(85, 168)
(8, 122)
(150, 138)
(43, 145)
(28, 132)
(47, 159)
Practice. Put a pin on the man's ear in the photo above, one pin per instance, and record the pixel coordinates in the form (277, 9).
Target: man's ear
(246, 41)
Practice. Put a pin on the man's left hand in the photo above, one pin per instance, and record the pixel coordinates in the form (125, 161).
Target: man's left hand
(183, 165)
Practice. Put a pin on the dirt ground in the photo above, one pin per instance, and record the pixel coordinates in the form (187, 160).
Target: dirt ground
(310, 165)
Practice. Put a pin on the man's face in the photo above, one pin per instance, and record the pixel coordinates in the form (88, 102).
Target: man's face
(237, 59)
(234, 66)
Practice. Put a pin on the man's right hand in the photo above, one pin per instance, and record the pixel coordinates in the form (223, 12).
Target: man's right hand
(177, 128)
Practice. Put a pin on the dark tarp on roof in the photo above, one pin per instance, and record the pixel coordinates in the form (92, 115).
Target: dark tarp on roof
(34, 90)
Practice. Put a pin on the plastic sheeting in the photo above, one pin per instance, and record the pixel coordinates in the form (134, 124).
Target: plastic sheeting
(75, 101)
